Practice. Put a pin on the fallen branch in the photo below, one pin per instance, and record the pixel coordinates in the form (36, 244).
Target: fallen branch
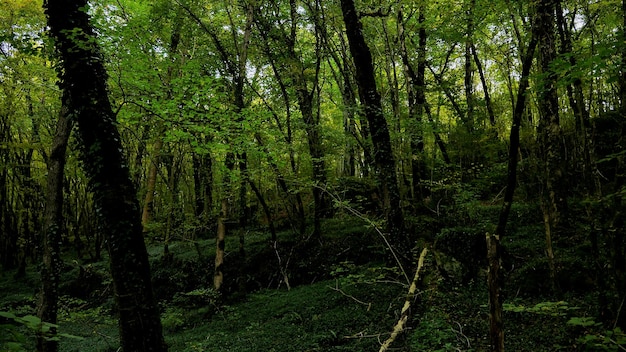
(404, 315)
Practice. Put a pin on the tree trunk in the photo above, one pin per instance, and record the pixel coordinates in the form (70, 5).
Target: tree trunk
(8, 241)
(222, 220)
(495, 279)
(83, 78)
(153, 170)
(483, 81)
(203, 182)
(553, 198)
(218, 274)
(148, 205)
(622, 81)
(383, 154)
(53, 226)
(469, 72)
(306, 102)
(174, 209)
(416, 100)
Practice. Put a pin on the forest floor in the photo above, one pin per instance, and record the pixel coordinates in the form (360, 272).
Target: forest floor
(343, 295)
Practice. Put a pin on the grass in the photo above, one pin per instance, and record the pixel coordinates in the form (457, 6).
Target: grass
(308, 318)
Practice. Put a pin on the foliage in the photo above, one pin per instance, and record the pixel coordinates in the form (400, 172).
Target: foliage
(183, 96)
(436, 333)
(594, 338)
(560, 308)
(14, 340)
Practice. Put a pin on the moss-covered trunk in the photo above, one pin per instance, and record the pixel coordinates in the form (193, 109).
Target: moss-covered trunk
(83, 78)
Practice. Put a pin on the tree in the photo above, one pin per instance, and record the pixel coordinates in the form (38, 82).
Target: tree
(47, 308)
(303, 72)
(371, 103)
(83, 77)
(549, 129)
(494, 248)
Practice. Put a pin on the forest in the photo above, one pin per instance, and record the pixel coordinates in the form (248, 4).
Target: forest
(307, 175)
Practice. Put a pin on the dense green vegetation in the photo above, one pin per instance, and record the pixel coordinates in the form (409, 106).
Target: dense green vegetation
(344, 302)
(280, 166)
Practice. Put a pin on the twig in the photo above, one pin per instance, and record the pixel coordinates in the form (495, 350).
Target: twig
(281, 268)
(619, 346)
(336, 288)
(371, 223)
(404, 315)
(619, 311)
(361, 335)
(460, 332)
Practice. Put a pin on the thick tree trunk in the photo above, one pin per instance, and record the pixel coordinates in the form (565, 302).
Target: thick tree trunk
(83, 78)
(53, 226)
(383, 154)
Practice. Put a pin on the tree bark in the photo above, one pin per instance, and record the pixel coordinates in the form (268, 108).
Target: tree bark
(83, 78)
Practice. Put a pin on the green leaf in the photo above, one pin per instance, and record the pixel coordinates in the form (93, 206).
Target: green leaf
(582, 321)
(8, 315)
(69, 336)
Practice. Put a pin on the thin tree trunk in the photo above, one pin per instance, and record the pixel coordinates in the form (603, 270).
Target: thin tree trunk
(483, 81)
(296, 70)
(622, 81)
(417, 100)
(53, 226)
(203, 181)
(153, 170)
(222, 220)
(148, 204)
(218, 275)
(83, 78)
(175, 211)
(469, 72)
(495, 278)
